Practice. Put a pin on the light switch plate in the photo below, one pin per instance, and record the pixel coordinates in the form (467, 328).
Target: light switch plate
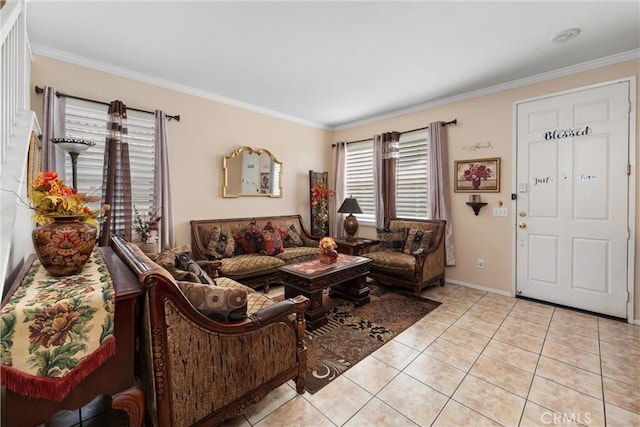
(500, 212)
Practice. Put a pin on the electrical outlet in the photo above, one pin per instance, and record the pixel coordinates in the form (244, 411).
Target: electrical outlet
(480, 263)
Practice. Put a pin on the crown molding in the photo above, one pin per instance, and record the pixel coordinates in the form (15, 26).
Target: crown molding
(145, 78)
(561, 72)
(59, 55)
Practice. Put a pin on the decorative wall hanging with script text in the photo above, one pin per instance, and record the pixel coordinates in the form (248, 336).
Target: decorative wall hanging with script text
(477, 146)
(567, 133)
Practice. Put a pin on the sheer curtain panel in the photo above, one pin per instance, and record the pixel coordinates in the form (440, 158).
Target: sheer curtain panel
(439, 188)
(162, 198)
(52, 127)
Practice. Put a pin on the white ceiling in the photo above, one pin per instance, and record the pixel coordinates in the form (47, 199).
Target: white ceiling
(330, 64)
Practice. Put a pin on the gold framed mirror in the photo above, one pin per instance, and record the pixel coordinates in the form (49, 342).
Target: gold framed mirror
(251, 172)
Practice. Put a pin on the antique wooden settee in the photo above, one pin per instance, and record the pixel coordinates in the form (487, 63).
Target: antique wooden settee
(394, 263)
(197, 370)
(215, 239)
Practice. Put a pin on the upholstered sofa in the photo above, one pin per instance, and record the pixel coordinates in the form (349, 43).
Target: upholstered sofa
(410, 254)
(226, 241)
(208, 351)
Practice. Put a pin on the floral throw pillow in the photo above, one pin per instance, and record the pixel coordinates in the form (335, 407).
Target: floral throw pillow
(392, 239)
(271, 240)
(221, 245)
(249, 238)
(417, 240)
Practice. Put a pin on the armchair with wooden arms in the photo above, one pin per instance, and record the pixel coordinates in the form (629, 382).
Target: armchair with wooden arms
(197, 370)
(405, 266)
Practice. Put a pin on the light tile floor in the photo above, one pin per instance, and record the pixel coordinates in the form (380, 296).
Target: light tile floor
(478, 359)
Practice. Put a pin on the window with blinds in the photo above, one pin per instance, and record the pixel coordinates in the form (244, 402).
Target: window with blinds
(412, 191)
(88, 120)
(359, 178)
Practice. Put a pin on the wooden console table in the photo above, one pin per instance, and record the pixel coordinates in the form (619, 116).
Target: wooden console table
(356, 247)
(115, 377)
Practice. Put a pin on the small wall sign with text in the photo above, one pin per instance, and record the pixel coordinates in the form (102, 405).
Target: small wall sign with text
(477, 146)
(544, 180)
(567, 133)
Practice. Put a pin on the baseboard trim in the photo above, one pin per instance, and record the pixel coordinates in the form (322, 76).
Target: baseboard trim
(480, 288)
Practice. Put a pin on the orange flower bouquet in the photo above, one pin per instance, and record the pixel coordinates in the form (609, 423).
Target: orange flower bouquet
(50, 197)
(328, 253)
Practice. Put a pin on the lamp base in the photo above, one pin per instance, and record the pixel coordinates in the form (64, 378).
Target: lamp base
(351, 227)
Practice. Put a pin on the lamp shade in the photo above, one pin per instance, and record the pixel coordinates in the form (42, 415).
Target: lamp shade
(351, 206)
(73, 145)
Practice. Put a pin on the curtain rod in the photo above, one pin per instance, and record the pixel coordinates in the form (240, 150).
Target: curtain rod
(452, 122)
(64, 95)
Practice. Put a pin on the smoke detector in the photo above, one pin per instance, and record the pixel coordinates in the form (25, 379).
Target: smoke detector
(566, 35)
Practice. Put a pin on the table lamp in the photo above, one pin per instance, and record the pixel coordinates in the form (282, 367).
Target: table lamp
(74, 146)
(350, 206)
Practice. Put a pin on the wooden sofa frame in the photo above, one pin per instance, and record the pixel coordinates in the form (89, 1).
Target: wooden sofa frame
(264, 280)
(199, 371)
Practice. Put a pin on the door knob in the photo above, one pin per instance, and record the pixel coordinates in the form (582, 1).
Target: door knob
(523, 213)
(522, 225)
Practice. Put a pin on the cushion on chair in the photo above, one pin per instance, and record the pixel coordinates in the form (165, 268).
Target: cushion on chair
(418, 240)
(393, 263)
(221, 244)
(257, 301)
(392, 239)
(249, 238)
(298, 254)
(271, 243)
(220, 303)
(241, 266)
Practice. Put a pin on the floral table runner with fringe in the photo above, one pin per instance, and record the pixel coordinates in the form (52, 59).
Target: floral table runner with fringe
(54, 331)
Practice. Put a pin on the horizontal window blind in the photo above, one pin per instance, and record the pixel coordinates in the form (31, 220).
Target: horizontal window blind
(359, 177)
(412, 191)
(88, 120)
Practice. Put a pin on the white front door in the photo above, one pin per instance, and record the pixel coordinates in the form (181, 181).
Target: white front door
(573, 193)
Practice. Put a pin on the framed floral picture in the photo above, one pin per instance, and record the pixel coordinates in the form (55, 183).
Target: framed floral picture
(477, 176)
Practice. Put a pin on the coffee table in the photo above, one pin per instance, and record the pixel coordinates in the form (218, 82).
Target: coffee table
(347, 279)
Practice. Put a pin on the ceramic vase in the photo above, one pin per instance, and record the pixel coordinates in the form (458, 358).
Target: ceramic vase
(64, 246)
(326, 259)
(476, 183)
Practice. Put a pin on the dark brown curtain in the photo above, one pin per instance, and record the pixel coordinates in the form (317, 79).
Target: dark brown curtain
(386, 151)
(116, 181)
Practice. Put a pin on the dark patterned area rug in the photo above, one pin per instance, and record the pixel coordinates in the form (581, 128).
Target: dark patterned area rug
(353, 333)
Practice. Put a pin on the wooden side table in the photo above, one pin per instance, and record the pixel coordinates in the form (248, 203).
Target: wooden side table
(115, 377)
(356, 247)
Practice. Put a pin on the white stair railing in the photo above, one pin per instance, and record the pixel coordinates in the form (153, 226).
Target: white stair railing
(17, 125)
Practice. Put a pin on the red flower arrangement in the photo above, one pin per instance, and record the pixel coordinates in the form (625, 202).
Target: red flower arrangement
(320, 196)
(476, 172)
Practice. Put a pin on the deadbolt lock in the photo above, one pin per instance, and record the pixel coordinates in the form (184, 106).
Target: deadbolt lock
(523, 213)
